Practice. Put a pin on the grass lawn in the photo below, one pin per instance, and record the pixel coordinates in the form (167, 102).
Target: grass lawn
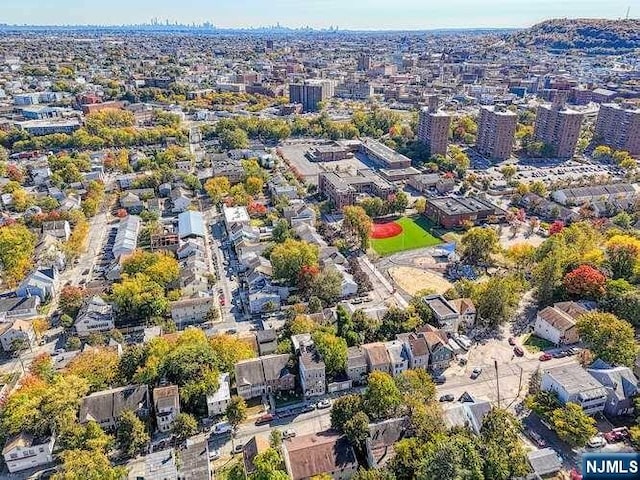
(415, 234)
(537, 344)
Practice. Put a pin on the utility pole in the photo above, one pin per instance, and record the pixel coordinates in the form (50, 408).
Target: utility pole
(495, 365)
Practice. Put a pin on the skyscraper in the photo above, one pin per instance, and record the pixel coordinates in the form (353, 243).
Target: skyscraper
(496, 132)
(619, 127)
(558, 126)
(433, 127)
(311, 93)
(364, 62)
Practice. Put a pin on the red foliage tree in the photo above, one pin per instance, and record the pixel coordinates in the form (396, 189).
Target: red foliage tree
(121, 213)
(257, 209)
(556, 227)
(307, 275)
(15, 173)
(585, 282)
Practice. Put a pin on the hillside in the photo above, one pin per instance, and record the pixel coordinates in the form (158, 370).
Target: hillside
(589, 35)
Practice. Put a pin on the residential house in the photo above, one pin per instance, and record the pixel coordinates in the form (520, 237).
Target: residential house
(418, 350)
(96, 315)
(468, 412)
(267, 341)
(160, 465)
(258, 376)
(24, 451)
(17, 335)
(12, 308)
(557, 323)
(180, 200)
(126, 237)
(300, 213)
(195, 463)
(234, 216)
(191, 311)
(326, 453)
(106, 406)
(42, 282)
(440, 353)
(444, 312)
(381, 440)
(166, 404)
(264, 301)
(191, 224)
(59, 229)
(191, 247)
(621, 385)
(544, 462)
(313, 380)
(573, 384)
(348, 286)
(277, 375)
(356, 365)
(466, 312)
(398, 357)
(131, 203)
(251, 450)
(377, 357)
(218, 401)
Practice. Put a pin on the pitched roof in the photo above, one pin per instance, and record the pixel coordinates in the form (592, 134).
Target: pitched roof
(317, 453)
(109, 404)
(557, 318)
(251, 449)
(376, 353)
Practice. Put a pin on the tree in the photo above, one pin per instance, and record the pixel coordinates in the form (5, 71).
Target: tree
(98, 366)
(301, 324)
(327, 286)
(556, 227)
(88, 465)
(229, 350)
(42, 367)
(70, 300)
(343, 409)
(184, 426)
(416, 384)
(254, 185)
(623, 255)
(382, 397)
(508, 172)
(395, 321)
(333, 351)
(268, 466)
(356, 429)
(504, 453)
(358, 223)
(139, 297)
(236, 411)
(290, 257)
(131, 434)
(539, 188)
(478, 245)
(608, 337)
(420, 205)
(585, 282)
(231, 139)
(217, 188)
(281, 231)
(275, 438)
(573, 425)
(162, 267)
(17, 246)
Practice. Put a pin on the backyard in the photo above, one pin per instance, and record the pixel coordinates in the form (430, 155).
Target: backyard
(413, 233)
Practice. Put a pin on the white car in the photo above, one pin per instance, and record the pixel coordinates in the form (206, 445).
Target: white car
(214, 454)
(596, 442)
(326, 403)
(289, 433)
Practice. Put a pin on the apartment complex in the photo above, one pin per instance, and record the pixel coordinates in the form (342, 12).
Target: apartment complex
(496, 132)
(619, 127)
(342, 190)
(558, 126)
(433, 127)
(310, 93)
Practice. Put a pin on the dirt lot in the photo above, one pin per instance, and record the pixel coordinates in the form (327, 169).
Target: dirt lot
(412, 280)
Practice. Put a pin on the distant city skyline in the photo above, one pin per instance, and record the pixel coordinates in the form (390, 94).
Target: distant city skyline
(354, 14)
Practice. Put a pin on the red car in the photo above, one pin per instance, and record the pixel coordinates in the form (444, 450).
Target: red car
(518, 351)
(512, 341)
(265, 419)
(617, 435)
(222, 301)
(575, 475)
(545, 356)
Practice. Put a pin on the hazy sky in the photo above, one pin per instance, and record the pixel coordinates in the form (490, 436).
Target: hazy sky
(359, 14)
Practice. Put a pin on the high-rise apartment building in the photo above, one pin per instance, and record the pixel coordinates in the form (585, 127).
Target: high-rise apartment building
(433, 127)
(364, 62)
(618, 126)
(311, 93)
(558, 126)
(496, 132)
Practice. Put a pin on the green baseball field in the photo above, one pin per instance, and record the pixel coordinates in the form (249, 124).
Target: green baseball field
(406, 233)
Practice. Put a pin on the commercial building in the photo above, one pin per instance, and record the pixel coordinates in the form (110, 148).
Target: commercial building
(496, 132)
(364, 62)
(619, 127)
(310, 93)
(384, 156)
(452, 212)
(433, 128)
(558, 126)
(354, 90)
(573, 384)
(342, 190)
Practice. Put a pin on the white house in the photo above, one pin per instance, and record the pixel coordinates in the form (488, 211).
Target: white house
(398, 356)
(573, 384)
(96, 315)
(23, 451)
(20, 332)
(348, 286)
(218, 402)
(191, 310)
(42, 283)
(557, 323)
(166, 403)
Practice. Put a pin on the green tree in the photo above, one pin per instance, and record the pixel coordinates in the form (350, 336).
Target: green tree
(184, 426)
(416, 384)
(160, 266)
(573, 425)
(608, 337)
(281, 231)
(231, 139)
(17, 246)
(504, 453)
(131, 434)
(356, 430)
(139, 297)
(497, 299)
(268, 466)
(290, 257)
(478, 245)
(327, 286)
(343, 409)
(236, 411)
(88, 465)
(333, 351)
(382, 397)
(217, 188)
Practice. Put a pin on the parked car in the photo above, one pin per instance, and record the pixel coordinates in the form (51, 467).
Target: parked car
(439, 380)
(237, 449)
(222, 427)
(536, 438)
(264, 419)
(561, 354)
(326, 403)
(447, 398)
(597, 442)
(619, 434)
(214, 454)
(289, 433)
(512, 341)
(545, 356)
(518, 351)
(476, 373)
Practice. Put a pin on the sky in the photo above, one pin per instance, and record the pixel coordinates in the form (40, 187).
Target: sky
(345, 14)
